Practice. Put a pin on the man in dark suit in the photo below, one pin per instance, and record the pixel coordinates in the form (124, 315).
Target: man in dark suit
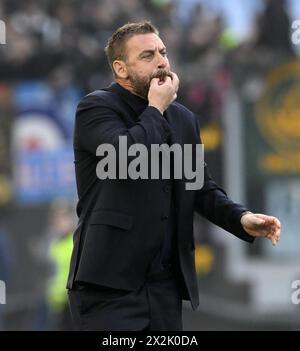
(133, 257)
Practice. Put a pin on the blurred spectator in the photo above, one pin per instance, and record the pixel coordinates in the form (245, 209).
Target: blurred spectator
(62, 221)
(6, 268)
(273, 27)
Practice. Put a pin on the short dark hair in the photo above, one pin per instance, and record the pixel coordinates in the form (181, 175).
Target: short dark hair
(115, 48)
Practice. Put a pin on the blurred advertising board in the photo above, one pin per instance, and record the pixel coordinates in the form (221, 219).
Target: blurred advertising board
(42, 142)
(41, 176)
(272, 144)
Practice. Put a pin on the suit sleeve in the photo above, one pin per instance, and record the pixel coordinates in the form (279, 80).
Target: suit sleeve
(97, 123)
(212, 202)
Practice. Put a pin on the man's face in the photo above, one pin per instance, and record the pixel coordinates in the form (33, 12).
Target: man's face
(146, 59)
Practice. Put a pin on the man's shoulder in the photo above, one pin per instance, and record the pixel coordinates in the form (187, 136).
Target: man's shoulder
(99, 98)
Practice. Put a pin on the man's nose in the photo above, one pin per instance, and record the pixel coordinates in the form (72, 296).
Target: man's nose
(161, 61)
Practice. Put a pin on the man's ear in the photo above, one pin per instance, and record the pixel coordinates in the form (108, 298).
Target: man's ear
(120, 69)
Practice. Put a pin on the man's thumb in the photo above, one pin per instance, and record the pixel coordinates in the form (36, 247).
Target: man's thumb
(259, 221)
(154, 81)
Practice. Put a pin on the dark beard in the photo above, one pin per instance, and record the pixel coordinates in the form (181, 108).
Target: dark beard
(141, 85)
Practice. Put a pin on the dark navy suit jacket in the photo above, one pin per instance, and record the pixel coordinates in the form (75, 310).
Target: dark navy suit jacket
(120, 235)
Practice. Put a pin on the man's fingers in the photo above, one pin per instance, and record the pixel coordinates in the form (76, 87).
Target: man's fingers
(174, 76)
(272, 221)
(175, 81)
(273, 234)
(277, 223)
(168, 80)
(155, 81)
(268, 221)
(158, 81)
(273, 226)
(273, 237)
(265, 226)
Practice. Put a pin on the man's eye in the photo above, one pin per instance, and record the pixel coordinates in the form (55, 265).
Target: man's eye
(147, 56)
(164, 53)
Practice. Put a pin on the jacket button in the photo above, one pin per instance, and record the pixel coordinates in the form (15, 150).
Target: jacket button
(167, 188)
(164, 217)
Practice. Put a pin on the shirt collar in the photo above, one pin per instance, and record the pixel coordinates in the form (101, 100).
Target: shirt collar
(137, 103)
